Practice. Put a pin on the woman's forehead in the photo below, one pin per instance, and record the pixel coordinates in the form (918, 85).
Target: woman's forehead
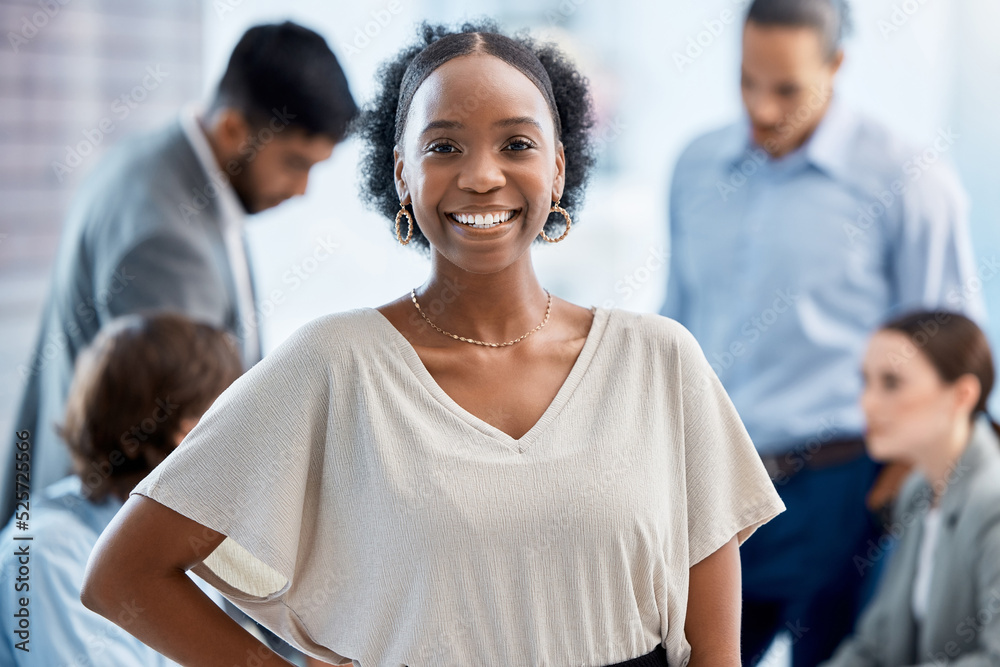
(893, 350)
(885, 343)
(477, 89)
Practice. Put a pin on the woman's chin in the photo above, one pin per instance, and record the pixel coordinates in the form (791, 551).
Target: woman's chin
(882, 450)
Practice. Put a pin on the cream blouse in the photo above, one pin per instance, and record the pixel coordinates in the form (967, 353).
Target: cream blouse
(371, 518)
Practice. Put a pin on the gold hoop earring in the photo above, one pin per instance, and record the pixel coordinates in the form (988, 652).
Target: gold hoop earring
(556, 208)
(409, 218)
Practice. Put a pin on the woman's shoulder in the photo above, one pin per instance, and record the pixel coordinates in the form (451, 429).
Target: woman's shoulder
(317, 349)
(657, 331)
(975, 477)
(983, 502)
(334, 331)
(357, 319)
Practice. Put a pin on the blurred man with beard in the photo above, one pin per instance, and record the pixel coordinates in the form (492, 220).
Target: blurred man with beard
(794, 233)
(159, 223)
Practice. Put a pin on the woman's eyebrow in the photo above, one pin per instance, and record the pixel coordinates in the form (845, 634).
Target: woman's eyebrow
(456, 125)
(442, 125)
(518, 120)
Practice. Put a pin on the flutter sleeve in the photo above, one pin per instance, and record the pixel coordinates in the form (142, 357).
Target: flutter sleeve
(729, 493)
(251, 470)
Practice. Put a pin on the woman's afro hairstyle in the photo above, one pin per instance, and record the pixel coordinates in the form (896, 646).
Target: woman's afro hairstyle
(380, 124)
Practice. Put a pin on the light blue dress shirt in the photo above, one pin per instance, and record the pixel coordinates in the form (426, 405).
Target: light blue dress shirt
(782, 269)
(64, 527)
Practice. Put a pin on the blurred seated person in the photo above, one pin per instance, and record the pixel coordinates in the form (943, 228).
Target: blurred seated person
(137, 390)
(927, 378)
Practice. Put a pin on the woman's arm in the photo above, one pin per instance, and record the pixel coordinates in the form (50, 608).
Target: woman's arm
(136, 577)
(713, 611)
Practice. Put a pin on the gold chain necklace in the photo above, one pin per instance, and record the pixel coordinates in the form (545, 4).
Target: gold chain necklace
(548, 308)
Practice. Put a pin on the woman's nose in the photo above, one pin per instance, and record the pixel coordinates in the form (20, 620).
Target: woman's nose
(868, 402)
(481, 173)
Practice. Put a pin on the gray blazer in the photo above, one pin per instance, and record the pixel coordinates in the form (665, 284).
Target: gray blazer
(143, 232)
(962, 624)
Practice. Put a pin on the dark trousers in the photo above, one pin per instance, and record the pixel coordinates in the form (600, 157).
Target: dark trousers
(800, 571)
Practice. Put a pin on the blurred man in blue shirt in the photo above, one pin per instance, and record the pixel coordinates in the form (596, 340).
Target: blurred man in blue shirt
(794, 233)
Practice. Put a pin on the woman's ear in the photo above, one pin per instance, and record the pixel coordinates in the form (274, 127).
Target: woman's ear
(397, 171)
(967, 392)
(559, 182)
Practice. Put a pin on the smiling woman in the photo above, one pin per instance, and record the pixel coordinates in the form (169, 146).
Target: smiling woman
(562, 88)
(478, 473)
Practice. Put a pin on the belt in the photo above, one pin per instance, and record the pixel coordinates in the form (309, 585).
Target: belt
(784, 466)
(655, 658)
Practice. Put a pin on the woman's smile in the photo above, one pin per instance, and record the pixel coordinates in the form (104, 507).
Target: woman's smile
(484, 218)
(485, 225)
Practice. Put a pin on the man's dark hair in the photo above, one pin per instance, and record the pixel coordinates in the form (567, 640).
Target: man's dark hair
(830, 18)
(380, 126)
(288, 72)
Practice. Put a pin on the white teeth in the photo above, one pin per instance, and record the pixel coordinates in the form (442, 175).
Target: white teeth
(483, 220)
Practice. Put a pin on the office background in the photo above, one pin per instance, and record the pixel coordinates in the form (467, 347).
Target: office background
(76, 76)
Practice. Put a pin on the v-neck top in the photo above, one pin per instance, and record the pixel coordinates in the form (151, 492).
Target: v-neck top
(518, 444)
(370, 518)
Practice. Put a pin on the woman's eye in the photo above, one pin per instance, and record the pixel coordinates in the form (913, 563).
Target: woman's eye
(519, 145)
(442, 148)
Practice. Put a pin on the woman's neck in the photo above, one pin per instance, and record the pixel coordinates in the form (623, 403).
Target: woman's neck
(493, 307)
(938, 462)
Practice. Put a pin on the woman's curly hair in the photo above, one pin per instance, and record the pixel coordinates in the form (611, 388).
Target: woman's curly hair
(381, 122)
